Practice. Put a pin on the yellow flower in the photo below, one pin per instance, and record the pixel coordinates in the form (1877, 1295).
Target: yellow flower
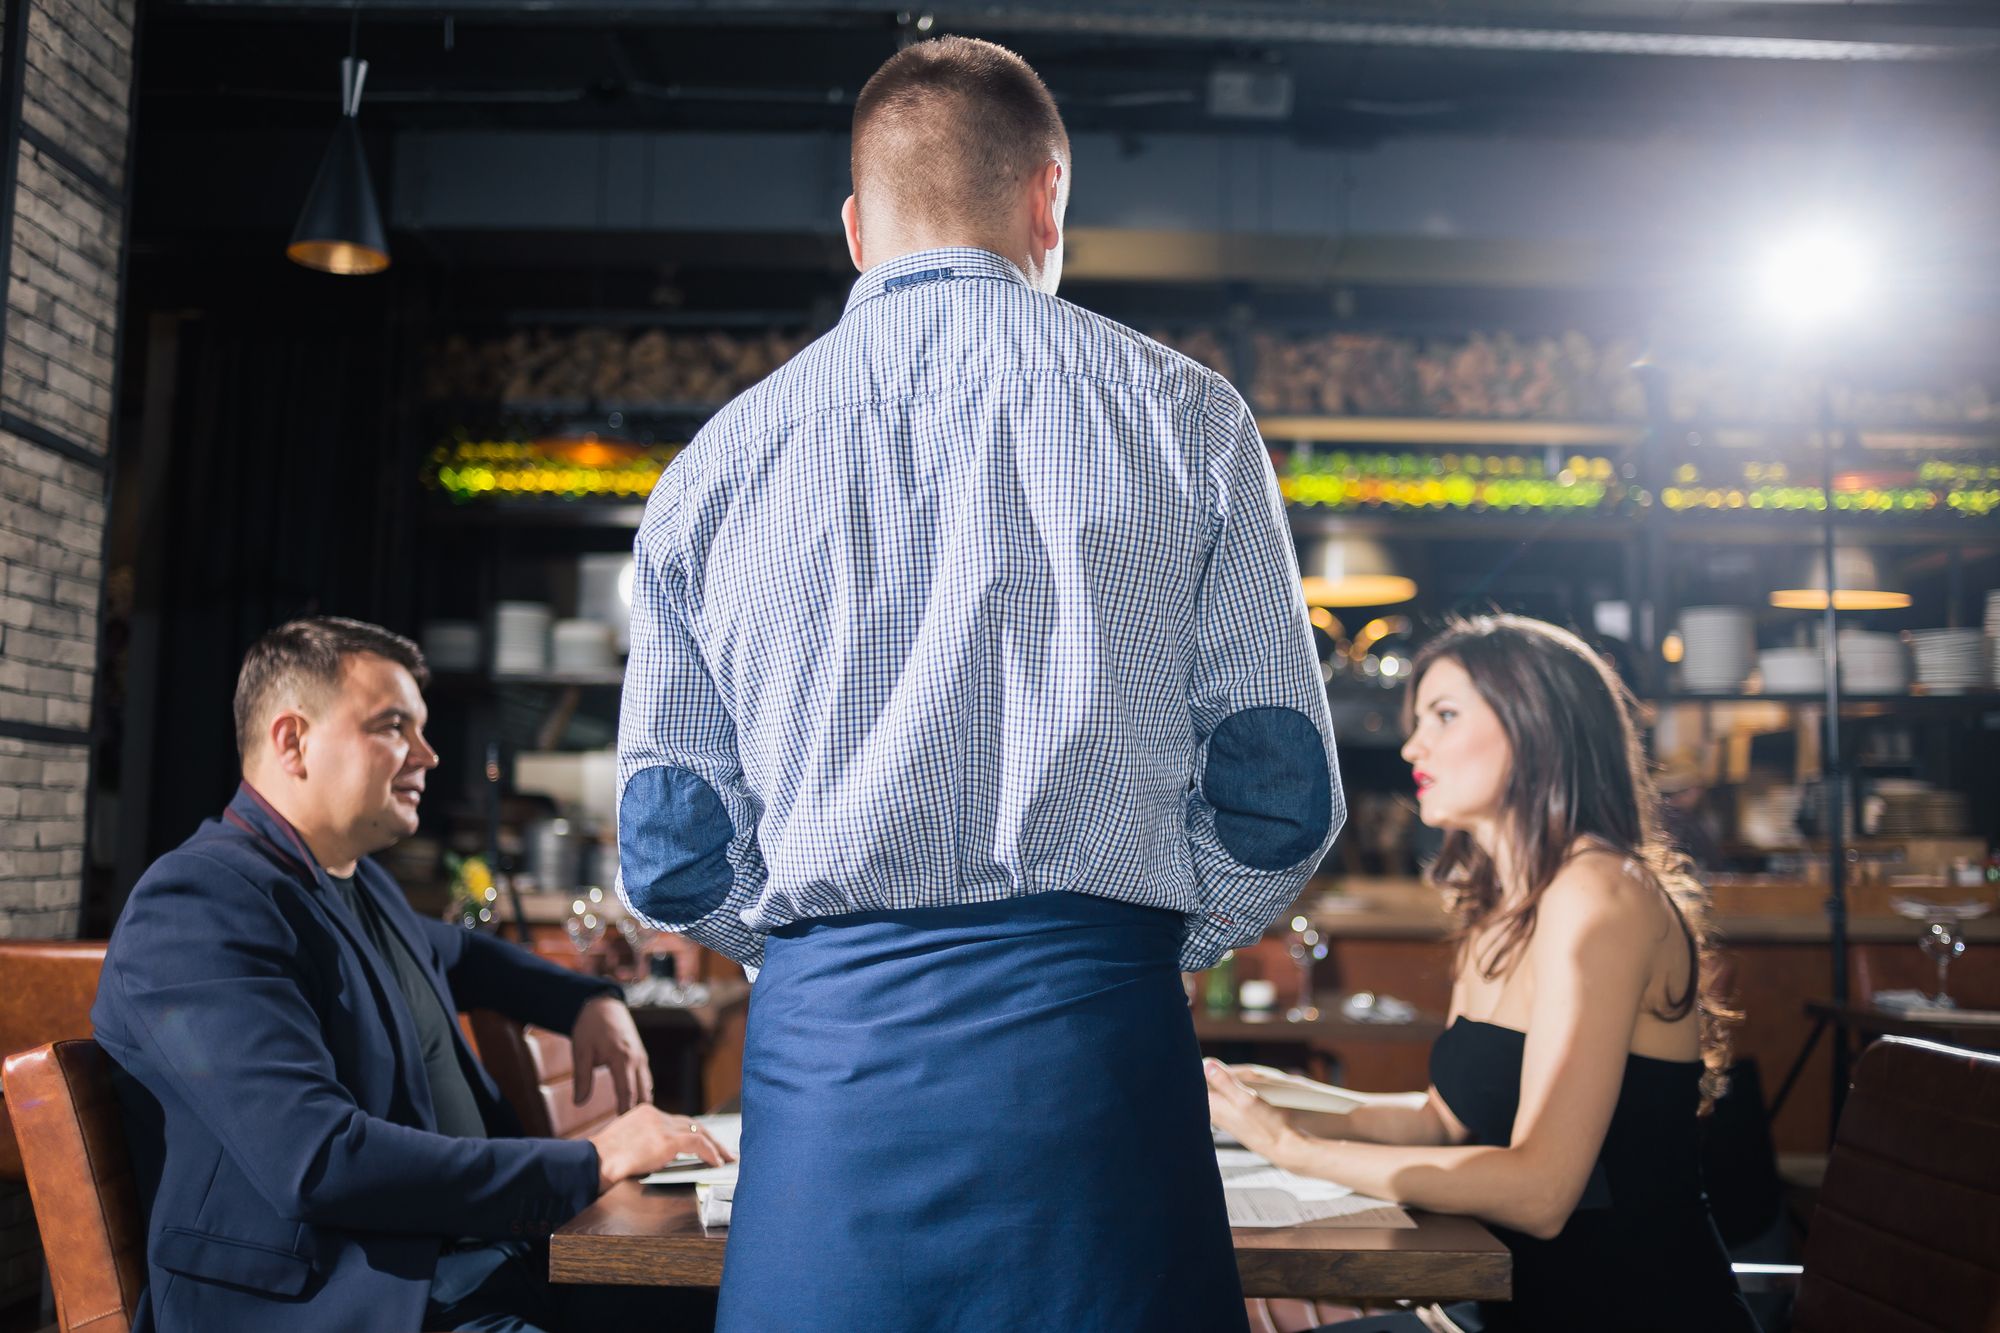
(474, 876)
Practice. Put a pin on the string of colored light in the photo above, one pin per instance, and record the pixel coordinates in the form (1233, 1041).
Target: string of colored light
(468, 471)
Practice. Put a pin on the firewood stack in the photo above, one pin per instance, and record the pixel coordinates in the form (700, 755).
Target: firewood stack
(1492, 376)
(1497, 376)
(1201, 345)
(650, 368)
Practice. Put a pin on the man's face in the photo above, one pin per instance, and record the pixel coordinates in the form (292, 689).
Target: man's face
(365, 754)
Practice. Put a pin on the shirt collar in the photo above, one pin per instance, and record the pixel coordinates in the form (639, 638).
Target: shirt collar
(944, 264)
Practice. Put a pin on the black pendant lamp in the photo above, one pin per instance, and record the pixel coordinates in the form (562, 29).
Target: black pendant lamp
(340, 230)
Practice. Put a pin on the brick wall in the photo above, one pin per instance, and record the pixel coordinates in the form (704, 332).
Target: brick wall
(65, 106)
(68, 66)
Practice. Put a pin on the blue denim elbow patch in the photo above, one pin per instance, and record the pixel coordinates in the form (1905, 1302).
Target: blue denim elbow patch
(673, 844)
(1268, 783)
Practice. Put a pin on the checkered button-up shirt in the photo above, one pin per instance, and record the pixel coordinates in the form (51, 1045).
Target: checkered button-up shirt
(981, 595)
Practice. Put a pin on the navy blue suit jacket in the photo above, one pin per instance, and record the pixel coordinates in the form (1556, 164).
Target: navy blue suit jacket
(274, 1095)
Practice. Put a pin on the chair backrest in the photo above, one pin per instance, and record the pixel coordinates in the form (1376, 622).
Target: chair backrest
(80, 1178)
(1906, 1235)
(46, 990)
(533, 1067)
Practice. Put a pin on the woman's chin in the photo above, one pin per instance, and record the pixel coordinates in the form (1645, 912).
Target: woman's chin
(1441, 820)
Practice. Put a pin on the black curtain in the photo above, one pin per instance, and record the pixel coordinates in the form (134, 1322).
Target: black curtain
(292, 491)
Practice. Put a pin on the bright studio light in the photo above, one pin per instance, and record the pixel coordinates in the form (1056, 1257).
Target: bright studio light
(1814, 279)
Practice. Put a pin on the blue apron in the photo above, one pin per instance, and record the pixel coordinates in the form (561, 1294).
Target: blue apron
(977, 1119)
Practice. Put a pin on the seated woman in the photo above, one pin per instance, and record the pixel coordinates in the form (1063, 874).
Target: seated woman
(1583, 1041)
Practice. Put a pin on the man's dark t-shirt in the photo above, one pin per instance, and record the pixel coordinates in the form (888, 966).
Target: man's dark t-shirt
(451, 1094)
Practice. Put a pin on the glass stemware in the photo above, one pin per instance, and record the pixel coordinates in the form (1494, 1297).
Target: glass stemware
(586, 924)
(1306, 949)
(636, 935)
(1943, 937)
(1943, 940)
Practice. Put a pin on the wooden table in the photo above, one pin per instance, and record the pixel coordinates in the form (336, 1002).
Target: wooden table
(650, 1236)
(1978, 1028)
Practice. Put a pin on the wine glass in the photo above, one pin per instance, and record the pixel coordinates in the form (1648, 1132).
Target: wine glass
(1943, 937)
(636, 935)
(586, 924)
(1306, 949)
(1943, 940)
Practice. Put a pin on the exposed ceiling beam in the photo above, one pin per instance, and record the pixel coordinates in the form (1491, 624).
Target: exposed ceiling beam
(1804, 30)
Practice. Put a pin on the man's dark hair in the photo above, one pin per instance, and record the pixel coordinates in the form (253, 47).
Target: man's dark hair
(304, 658)
(948, 129)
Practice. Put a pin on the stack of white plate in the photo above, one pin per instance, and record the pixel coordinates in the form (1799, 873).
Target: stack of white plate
(582, 645)
(1872, 663)
(1718, 647)
(1792, 670)
(1914, 809)
(451, 645)
(1949, 661)
(521, 637)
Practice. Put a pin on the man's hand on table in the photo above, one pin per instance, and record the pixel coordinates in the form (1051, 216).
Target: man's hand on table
(605, 1035)
(645, 1139)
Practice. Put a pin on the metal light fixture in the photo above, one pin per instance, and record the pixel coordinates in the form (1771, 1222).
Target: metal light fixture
(1350, 570)
(1858, 584)
(340, 230)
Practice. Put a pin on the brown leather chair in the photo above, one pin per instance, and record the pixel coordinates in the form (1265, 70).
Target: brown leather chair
(1272, 1314)
(534, 1067)
(46, 990)
(80, 1178)
(1906, 1236)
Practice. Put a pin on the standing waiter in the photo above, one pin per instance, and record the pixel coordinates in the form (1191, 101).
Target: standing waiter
(971, 696)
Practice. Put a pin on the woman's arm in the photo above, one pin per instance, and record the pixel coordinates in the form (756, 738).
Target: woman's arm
(1381, 1118)
(1591, 956)
(1431, 1124)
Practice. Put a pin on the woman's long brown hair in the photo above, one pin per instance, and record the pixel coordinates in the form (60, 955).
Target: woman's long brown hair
(1578, 775)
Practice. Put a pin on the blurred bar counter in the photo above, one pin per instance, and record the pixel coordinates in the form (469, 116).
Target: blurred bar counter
(1744, 909)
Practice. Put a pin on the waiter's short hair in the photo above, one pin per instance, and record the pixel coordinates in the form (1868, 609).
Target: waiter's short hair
(948, 129)
(303, 659)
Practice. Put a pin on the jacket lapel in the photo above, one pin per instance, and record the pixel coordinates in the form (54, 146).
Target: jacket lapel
(250, 813)
(389, 900)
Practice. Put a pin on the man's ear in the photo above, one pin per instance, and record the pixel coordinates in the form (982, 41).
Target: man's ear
(850, 224)
(288, 741)
(1047, 206)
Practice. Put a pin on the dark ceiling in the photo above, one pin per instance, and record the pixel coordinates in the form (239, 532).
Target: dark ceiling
(1439, 66)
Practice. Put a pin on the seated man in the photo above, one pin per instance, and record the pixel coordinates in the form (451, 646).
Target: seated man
(316, 1146)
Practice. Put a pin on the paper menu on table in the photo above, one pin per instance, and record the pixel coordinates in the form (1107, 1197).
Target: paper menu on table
(1259, 1194)
(726, 1130)
(1277, 1208)
(1243, 1169)
(714, 1201)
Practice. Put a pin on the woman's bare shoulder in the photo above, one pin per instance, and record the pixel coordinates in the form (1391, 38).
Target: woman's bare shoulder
(1600, 888)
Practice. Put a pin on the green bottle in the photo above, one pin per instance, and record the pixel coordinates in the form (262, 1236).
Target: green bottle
(1218, 994)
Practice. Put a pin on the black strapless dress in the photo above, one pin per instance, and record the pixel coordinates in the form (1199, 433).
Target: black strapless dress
(1640, 1253)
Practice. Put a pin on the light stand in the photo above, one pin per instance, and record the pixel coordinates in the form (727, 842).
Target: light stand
(1833, 776)
(1813, 285)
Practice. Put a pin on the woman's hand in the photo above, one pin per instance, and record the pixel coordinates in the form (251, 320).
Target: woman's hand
(1257, 1125)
